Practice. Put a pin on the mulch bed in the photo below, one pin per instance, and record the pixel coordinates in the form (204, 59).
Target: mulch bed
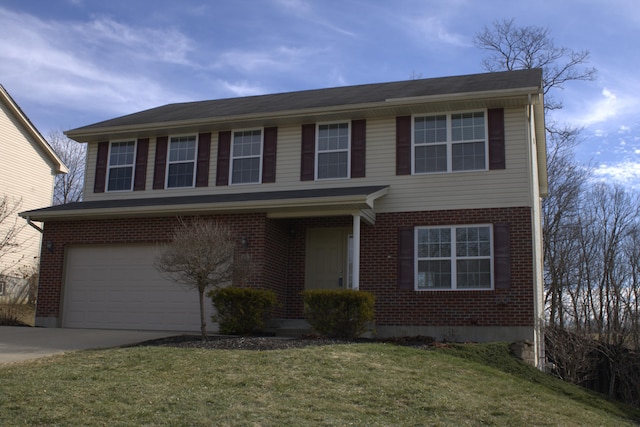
(227, 342)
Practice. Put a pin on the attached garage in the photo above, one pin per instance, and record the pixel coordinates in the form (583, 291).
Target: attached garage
(117, 287)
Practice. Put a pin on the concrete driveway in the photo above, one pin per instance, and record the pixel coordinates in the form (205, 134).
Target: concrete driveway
(23, 343)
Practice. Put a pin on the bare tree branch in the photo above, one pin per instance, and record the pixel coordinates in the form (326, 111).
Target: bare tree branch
(68, 187)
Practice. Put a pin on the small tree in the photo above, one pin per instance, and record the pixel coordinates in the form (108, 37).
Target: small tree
(202, 254)
(10, 226)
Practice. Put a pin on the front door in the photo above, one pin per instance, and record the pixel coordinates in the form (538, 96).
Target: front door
(327, 258)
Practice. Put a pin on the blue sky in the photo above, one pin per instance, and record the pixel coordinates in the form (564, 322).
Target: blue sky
(70, 63)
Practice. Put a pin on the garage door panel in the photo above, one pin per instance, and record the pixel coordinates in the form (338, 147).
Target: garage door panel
(117, 287)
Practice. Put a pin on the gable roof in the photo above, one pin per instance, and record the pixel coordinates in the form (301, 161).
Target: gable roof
(518, 82)
(56, 163)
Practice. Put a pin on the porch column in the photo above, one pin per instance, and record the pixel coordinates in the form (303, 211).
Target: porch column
(355, 279)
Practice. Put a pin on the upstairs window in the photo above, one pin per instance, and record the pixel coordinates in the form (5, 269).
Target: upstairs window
(450, 142)
(453, 258)
(246, 157)
(181, 161)
(332, 154)
(121, 162)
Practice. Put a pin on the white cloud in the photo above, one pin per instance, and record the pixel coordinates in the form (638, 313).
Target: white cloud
(241, 88)
(433, 31)
(627, 173)
(101, 62)
(602, 109)
(280, 58)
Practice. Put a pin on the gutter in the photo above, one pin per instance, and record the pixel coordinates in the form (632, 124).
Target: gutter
(31, 223)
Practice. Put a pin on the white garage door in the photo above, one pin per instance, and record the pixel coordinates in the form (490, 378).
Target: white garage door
(117, 287)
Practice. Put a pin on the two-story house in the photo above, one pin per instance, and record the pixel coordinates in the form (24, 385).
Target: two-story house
(424, 192)
(28, 167)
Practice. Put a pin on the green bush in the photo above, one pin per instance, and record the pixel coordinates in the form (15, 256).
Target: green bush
(241, 311)
(339, 313)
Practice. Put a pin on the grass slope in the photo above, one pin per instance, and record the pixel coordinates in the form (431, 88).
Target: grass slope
(355, 384)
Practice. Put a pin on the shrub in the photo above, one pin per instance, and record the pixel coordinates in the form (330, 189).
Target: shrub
(339, 313)
(241, 311)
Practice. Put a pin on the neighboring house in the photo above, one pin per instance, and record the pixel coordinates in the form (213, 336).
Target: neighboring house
(424, 192)
(28, 166)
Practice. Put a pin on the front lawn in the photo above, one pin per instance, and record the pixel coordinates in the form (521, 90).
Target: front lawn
(337, 385)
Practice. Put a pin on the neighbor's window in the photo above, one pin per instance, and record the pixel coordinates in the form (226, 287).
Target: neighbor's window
(453, 258)
(450, 142)
(246, 157)
(182, 161)
(332, 154)
(121, 161)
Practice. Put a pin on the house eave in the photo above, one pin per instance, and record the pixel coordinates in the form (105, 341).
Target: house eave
(330, 205)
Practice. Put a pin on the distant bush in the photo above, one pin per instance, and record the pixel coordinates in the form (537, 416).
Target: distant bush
(241, 311)
(340, 314)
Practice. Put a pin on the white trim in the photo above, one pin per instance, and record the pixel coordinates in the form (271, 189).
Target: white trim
(316, 151)
(133, 165)
(449, 142)
(169, 162)
(232, 158)
(452, 257)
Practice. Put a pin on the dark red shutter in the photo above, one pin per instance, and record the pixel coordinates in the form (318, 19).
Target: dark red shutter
(140, 174)
(501, 256)
(307, 164)
(224, 154)
(495, 121)
(160, 163)
(405, 258)
(269, 154)
(358, 148)
(101, 167)
(202, 165)
(403, 145)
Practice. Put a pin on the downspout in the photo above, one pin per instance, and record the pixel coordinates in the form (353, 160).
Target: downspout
(31, 223)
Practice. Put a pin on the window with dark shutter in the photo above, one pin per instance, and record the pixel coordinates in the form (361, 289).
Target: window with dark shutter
(224, 153)
(269, 154)
(101, 167)
(202, 166)
(358, 148)
(405, 258)
(307, 172)
(160, 163)
(403, 145)
(495, 119)
(501, 256)
(140, 174)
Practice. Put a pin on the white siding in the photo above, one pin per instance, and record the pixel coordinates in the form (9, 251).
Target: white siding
(25, 176)
(498, 188)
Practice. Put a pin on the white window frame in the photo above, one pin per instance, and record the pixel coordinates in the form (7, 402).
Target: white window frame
(449, 142)
(453, 258)
(348, 149)
(169, 162)
(132, 165)
(232, 157)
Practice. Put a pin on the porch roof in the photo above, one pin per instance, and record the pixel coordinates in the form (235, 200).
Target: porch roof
(276, 204)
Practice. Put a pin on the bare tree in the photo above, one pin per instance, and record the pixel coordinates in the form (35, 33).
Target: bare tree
(203, 254)
(10, 226)
(68, 187)
(516, 48)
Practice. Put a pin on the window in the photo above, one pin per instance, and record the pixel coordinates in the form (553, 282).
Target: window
(246, 157)
(449, 142)
(121, 161)
(182, 161)
(453, 258)
(332, 153)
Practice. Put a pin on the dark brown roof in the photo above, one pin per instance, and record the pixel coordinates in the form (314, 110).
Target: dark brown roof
(320, 98)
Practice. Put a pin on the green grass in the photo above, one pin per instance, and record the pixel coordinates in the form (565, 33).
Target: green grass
(339, 385)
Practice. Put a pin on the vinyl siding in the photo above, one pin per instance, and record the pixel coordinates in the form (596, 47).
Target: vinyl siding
(26, 175)
(498, 188)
